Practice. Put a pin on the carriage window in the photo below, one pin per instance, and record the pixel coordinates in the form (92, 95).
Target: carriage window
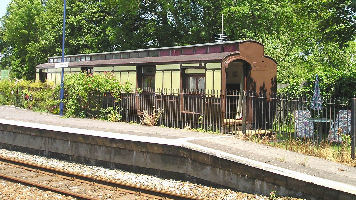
(148, 82)
(147, 77)
(195, 82)
(194, 85)
(194, 78)
(87, 70)
(42, 75)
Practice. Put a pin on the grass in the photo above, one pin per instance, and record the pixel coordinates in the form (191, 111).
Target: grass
(330, 151)
(337, 152)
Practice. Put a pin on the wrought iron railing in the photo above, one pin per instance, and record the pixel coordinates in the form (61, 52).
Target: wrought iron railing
(205, 110)
(234, 112)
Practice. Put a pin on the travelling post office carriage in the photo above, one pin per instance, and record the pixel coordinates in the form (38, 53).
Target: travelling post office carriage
(217, 71)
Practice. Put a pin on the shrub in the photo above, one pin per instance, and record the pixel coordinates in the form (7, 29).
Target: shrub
(85, 95)
(151, 119)
(30, 95)
(93, 95)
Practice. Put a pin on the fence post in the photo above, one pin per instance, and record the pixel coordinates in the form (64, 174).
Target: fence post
(353, 127)
(244, 110)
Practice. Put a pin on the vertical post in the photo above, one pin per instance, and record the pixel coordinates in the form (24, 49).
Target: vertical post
(222, 24)
(62, 74)
(244, 110)
(353, 127)
(224, 65)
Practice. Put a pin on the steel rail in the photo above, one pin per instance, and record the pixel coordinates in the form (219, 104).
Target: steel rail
(69, 177)
(128, 187)
(44, 187)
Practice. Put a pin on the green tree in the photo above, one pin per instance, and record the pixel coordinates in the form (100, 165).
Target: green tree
(157, 23)
(20, 41)
(305, 37)
(86, 27)
(338, 18)
(297, 35)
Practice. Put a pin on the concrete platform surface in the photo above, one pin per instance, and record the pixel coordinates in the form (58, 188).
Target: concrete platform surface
(276, 160)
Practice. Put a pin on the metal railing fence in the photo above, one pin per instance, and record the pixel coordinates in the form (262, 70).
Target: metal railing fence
(235, 112)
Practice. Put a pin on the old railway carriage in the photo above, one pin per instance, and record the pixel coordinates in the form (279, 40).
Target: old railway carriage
(224, 66)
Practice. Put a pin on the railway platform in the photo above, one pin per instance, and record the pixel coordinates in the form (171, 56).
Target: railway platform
(220, 159)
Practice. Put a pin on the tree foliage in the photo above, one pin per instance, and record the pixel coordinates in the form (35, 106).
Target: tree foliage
(305, 37)
(20, 37)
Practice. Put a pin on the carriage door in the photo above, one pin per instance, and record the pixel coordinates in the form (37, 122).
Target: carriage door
(235, 84)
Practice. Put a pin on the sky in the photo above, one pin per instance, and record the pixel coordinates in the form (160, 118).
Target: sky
(3, 5)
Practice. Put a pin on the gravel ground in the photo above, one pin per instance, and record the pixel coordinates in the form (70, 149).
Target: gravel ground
(174, 186)
(11, 191)
(70, 184)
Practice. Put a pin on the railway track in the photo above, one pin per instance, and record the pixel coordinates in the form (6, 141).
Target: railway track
(75, 185)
